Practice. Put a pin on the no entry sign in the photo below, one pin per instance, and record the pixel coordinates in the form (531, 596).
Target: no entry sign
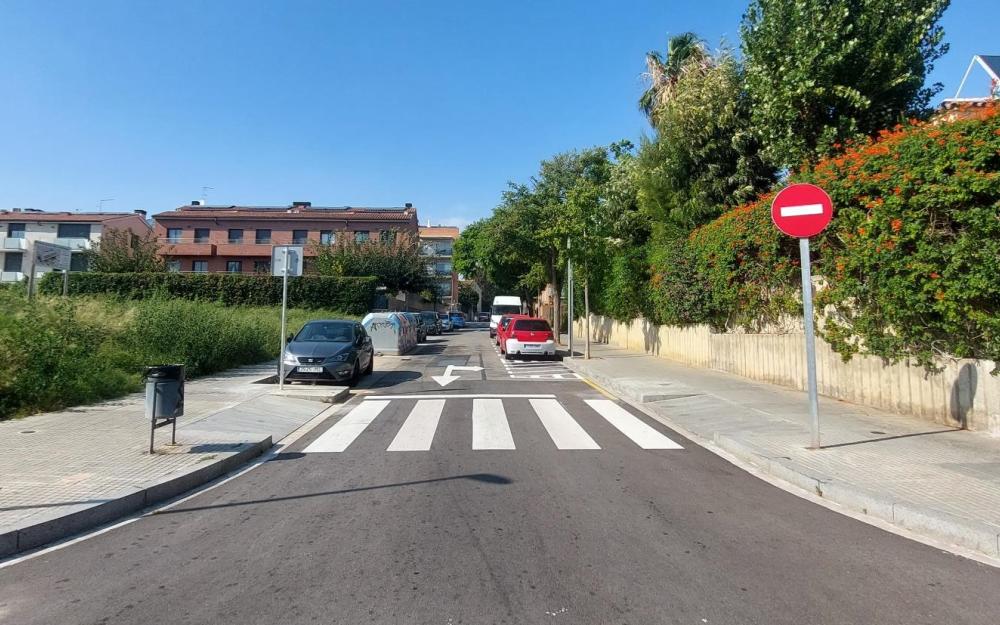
(801, 210)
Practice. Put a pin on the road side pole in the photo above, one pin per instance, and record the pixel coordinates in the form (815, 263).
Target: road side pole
(31, 277)
(65, 282)
(284, 307)
(807, 311)
(569, 297)
(586, 310)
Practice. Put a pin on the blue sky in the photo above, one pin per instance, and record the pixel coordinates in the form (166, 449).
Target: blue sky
(340, 103)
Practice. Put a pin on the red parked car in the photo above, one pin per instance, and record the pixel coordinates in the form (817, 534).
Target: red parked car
(528, 336)
(502, 326)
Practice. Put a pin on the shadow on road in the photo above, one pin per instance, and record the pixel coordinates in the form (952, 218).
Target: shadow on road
(486, 478)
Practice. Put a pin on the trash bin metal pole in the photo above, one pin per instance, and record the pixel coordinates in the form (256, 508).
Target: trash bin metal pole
(152, 416)
(284, 306)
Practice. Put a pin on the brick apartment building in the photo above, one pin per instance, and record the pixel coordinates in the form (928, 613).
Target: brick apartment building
(437, 246)
(238, 239)
(21, 227)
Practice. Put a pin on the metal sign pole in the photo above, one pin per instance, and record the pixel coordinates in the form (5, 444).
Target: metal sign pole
(569, 298)
(284, 307)
(65, 282)
(31, 277)
(807, 311)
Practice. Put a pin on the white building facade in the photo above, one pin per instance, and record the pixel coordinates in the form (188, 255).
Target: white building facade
(20, 228)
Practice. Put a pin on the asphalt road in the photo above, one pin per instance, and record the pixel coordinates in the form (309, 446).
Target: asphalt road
(465, 504)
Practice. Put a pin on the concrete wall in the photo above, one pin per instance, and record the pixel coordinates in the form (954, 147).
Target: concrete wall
(964, 394)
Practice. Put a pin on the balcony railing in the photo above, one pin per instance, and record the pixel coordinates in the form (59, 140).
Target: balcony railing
(13, 243)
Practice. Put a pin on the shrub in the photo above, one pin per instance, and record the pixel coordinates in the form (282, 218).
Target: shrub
(351, 295)
(57, 352)
(912, 256)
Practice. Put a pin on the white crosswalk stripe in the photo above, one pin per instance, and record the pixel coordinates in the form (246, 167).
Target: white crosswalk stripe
(565, 432)
(631, 426)
(343, 432)
(418, 430)
(490, 427)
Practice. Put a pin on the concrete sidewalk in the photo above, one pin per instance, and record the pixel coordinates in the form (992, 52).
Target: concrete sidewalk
(935, 481)
(68, 471)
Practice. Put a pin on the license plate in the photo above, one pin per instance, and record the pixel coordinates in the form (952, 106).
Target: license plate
(530, 347)
(310, 369)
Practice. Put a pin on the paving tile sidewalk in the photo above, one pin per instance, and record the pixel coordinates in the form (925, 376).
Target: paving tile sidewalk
(930, 479)
(74, 466)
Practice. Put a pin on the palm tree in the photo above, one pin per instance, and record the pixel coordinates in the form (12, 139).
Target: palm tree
(663, 74)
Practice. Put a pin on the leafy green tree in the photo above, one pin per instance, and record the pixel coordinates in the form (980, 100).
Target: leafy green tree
(122, 251)
(664, 72)
(395, 261)
(821, 72)
(705, 157)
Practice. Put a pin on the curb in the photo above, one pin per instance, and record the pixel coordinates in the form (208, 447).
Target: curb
(49, 531)
(982, 538)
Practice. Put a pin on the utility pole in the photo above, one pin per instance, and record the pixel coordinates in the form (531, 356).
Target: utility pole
(586, 311)
(569, 295)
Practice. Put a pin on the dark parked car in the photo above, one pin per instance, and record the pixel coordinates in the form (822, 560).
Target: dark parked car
(430, 320)
(483, 316)
(329, 350)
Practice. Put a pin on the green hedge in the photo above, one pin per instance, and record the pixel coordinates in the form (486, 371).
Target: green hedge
(350, 295)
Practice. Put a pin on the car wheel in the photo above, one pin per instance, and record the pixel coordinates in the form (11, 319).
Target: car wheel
(355, 376)
(507, 356)
(371, 365)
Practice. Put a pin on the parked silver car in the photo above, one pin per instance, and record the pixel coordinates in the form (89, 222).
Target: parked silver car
(329, 350)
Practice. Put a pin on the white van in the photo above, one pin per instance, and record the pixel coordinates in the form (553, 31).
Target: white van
(503, 305)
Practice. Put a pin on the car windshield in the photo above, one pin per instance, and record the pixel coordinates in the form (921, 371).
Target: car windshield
(532, 325)
(429, 316)
(332, 331)
(506, 309)
(442, 316)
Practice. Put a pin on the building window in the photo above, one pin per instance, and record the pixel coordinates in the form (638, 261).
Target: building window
(387, 236)
(299, 236)
(174, 266)
(15, 231)
(78, 262)
(73, 231)
(201, 235)
(263, 236)
(199, 266)
(262, 266)
(12, 261)
(234, 266)
(326, 237)
(360, 236)
(235, 235)
(173, 235)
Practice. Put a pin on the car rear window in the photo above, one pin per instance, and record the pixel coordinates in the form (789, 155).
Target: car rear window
(532, 325)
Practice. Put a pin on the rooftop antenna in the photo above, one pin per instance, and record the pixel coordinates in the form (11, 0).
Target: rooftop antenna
(204, 193)
(100, 203)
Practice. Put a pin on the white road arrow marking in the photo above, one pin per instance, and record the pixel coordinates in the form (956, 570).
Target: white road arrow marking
(448, 378)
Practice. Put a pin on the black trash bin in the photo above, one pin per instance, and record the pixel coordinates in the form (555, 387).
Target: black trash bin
(164, 391)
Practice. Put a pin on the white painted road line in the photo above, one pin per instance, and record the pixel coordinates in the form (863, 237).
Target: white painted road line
(466, 396)
(565, 432)
(631, 426)
(342, 434)
(804, 209)
(490, 429)
(418, 430)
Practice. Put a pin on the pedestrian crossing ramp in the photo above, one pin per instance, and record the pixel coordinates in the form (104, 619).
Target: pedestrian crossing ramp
(491, 427)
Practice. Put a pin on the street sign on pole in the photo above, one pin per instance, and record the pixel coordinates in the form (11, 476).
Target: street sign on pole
(802, 211)
(569, 296)
(52, 256)
(286, 260)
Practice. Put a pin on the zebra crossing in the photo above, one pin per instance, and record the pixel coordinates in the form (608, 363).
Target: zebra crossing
(548, 370)
(491, 428)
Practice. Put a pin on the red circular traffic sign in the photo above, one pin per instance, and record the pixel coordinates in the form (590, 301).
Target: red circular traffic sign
(801, 210)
